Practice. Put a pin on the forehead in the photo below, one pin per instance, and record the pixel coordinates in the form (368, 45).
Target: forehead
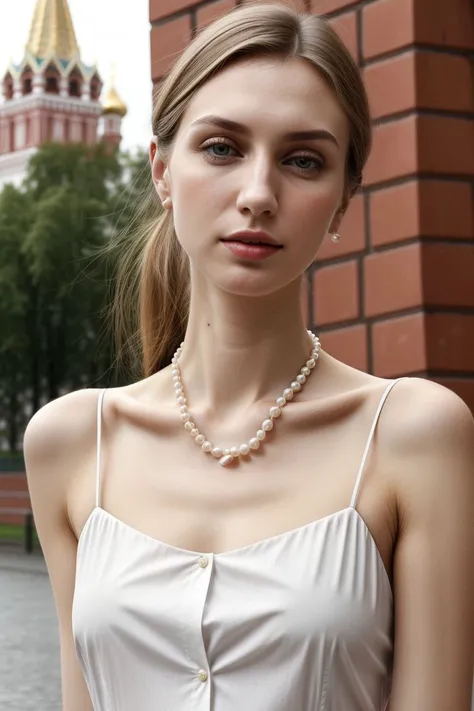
(273, 93)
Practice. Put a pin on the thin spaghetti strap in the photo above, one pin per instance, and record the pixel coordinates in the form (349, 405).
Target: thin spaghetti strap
(99, 447)
(369, 440)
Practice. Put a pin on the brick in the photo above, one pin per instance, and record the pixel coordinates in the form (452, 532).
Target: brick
(387, 25)
(448, 26)
(346, 27)
(450, 341)
(399, 346)
(448, 276)
(394, 151)
(324, 7)
(446, 209)
(392, 24)
(446, 145)
(348, 345)
(394, 213)
(444, 81)
(167, 43)
(160, 9)
(393, 280)
(352, 233)
(336, 296)
(463, 387)
(431, 208)
(391, 85)
(211, 12)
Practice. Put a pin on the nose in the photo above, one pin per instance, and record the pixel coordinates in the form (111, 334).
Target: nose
(258, 194)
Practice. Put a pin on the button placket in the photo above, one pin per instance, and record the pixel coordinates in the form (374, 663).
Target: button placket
(203, 565)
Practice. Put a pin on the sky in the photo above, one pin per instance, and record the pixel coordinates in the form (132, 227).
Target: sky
(113, 33)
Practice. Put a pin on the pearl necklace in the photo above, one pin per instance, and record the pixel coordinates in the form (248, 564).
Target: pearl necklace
(226, 456)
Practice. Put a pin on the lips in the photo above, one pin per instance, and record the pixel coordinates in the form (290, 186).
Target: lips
(253, 237)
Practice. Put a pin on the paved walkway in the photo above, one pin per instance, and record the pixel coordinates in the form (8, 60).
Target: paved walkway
(29, 644)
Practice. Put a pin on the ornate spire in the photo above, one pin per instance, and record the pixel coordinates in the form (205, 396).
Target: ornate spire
(52, 31)
(113, 104)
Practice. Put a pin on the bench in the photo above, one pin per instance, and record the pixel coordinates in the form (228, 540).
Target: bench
(15, 506)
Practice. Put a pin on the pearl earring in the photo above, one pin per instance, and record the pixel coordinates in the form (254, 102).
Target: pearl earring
(167, 203)
(336, 237)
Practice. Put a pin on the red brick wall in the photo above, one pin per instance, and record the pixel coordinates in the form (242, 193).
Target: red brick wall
(396, 295)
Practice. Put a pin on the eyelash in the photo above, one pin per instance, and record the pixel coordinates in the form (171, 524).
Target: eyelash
(218, 159)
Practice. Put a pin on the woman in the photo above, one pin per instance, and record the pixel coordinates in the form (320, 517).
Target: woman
(335, 542)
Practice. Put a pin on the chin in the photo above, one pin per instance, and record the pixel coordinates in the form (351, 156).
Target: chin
(252, 282)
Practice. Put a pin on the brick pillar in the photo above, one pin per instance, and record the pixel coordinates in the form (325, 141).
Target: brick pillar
(396, 295)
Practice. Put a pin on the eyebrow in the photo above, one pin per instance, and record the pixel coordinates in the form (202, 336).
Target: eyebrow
(244, 130)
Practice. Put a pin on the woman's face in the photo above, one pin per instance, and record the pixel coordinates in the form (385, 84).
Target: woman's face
(256, 176)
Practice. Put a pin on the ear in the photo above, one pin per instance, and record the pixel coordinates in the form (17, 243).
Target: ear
(160, 172)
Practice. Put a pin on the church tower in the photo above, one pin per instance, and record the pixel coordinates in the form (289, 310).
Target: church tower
(51, 95)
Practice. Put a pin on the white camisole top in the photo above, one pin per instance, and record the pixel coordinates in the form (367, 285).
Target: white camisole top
(301, 621)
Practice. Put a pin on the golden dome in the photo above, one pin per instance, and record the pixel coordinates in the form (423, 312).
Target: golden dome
(113, 104)
(52, 31)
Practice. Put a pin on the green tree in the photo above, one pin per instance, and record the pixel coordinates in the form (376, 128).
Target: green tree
(18, 357)
(54, 275)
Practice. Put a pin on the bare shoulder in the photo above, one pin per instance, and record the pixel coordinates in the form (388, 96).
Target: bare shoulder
(66, 422)
(428, 439)
(424, 414)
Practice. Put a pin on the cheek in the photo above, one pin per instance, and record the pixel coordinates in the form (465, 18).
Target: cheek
(312, 213)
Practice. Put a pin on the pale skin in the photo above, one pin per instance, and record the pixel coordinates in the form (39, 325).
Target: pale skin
(245, 341)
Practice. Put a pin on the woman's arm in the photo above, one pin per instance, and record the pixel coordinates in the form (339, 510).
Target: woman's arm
(432, 461)
(56, 442)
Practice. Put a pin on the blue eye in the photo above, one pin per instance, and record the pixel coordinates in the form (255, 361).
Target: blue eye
(316, 163)
(217, 144)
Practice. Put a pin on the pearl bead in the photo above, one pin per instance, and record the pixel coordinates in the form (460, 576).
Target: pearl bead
(226, 459)
(226, 456)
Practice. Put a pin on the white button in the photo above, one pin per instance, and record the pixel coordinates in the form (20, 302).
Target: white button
(202, 675)
(203, 561)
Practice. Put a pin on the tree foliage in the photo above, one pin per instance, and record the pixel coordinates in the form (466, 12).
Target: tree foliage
(55, 279)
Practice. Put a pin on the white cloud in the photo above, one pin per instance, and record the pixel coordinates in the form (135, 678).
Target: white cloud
(109, 32)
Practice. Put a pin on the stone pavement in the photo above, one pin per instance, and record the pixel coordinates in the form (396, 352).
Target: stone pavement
(29, 642)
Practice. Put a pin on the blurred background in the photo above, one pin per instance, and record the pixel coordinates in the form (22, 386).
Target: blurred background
(394, 297)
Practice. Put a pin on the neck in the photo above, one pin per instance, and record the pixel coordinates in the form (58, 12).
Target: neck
(239, 351)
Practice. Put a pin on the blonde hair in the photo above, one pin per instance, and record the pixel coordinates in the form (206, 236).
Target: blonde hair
(153, 282)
